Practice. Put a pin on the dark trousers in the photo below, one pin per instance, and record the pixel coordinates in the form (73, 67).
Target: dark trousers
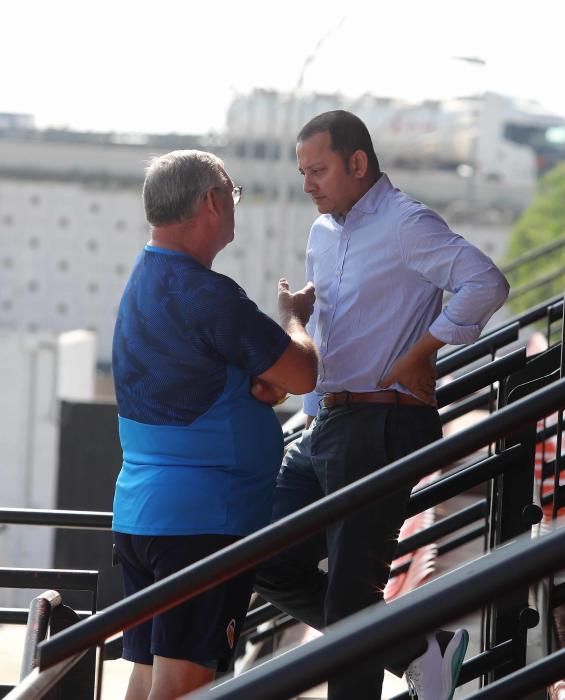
(344, 444)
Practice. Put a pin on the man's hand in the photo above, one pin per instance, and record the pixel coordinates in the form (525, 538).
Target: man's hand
(265, 392)
(299, 305)
(416, 374)
(415, 370)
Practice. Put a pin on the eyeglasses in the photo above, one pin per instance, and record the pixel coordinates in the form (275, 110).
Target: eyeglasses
(236, 193)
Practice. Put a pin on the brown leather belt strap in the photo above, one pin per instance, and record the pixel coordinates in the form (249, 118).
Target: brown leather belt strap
(341, 398)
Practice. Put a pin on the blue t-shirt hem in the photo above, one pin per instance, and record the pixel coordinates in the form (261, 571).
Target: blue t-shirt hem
(156, 532)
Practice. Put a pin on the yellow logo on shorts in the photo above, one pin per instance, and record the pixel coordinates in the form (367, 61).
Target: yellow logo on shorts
(230, 632)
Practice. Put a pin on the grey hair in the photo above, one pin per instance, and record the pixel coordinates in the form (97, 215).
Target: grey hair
(176, 182)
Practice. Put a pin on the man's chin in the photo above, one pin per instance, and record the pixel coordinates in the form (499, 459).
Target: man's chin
(323, 206)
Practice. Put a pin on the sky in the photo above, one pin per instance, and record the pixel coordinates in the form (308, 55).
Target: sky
(174, 65)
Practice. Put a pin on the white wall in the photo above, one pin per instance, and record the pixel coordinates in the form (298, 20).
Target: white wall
(31, 369)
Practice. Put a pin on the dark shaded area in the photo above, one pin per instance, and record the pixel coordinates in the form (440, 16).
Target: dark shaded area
(89, 461)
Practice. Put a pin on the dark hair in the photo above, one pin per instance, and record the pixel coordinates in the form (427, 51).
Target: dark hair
(347, 133)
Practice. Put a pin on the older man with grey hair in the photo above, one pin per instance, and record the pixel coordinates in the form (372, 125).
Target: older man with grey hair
(196, 369)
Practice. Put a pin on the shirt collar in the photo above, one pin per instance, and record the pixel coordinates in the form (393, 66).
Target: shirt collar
(369, 202)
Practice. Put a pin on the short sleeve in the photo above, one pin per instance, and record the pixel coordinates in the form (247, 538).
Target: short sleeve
(239, 332)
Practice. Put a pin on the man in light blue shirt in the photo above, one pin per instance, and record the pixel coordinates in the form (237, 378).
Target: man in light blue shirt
(380, 262)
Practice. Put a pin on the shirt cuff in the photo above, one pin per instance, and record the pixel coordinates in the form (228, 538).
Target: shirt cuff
(450, 333)
(311, 404)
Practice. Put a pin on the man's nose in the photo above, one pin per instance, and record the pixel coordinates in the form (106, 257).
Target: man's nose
(308, 185)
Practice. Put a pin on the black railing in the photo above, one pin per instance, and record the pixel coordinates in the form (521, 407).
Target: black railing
(458, 391)
(37, 626)
(83, 520)
(261, 545)
(384, 627)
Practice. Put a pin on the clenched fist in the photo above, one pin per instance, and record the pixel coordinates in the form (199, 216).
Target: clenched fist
(299, 304)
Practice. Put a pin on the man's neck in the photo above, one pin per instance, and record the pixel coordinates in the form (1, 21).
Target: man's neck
(369, 182)
(177, 237)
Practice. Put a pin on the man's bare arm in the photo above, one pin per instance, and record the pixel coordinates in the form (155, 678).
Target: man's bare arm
(296, 370)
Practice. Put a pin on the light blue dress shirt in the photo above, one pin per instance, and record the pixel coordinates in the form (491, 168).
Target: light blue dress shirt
(379, 275)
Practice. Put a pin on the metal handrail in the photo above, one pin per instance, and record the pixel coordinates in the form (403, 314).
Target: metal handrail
(85, 520)
(383, 627)
(482, 347)
(36, 628)
(263, 544)
(482, 376)
(20, 616)
(537, 283)
(551, 308)
(445, 526)
(532, 255)
(526, 680)
(52, 578)
(38, 683)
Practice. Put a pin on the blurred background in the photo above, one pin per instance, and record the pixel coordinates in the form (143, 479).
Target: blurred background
(464, 101)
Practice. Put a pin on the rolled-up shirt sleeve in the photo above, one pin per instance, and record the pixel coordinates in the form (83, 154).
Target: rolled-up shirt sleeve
(451, 263)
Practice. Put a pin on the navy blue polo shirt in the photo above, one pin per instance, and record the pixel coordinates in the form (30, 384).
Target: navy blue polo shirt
(200, 454)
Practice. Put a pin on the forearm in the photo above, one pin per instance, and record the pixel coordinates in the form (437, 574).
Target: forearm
(300, 337)
(297, 368)
(302, 342)
(426, 346)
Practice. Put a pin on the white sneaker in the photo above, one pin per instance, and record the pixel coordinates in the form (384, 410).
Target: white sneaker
(434, 675)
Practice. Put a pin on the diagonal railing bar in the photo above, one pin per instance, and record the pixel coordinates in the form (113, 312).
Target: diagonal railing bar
(256, 617)
(37, 684)
(461, 480)
(551, 308)
(261, 545)
(481, 377)
(525, 681)
(384, 627)
(460, 540)
(532, 255)
(536, 283)
(476, 402)
(445, 526)
(481, 348)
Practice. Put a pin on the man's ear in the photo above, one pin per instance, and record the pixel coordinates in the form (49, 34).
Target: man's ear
(358, 164)
(211, 202)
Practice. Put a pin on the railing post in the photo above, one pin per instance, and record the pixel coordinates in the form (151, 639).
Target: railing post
(513, 512)
(79, 682)
(36, 630)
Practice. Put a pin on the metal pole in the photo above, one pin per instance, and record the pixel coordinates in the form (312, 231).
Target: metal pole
(37, 625)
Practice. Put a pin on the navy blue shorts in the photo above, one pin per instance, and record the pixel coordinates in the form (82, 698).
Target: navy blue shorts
(204, 629)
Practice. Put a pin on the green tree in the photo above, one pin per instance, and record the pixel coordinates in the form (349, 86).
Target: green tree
(541, 224)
